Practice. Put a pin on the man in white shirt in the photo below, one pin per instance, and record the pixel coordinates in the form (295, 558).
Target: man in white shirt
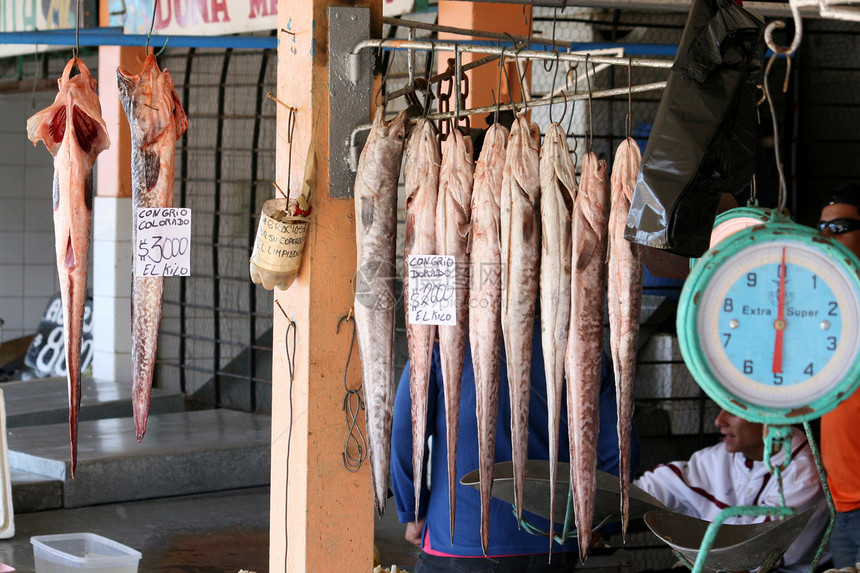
(732, 473)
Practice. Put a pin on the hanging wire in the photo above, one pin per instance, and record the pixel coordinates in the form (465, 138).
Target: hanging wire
(151, 24)
(77, 49)
(291, 367)
(574, 69)
(787, 52)
(353, 404)
(552, 89)
(497, 97)
(380, 99)
(629, 120)
(590, 107)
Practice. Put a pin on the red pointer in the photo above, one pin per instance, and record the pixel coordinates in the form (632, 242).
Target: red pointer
(779, 323)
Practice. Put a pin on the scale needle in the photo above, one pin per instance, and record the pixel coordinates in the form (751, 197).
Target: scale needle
(779, 323)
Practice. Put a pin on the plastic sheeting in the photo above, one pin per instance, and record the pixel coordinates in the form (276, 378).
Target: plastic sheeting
(704, 136)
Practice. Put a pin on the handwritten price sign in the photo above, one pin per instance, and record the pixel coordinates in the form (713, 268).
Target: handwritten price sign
(432, 294)
(163, 247)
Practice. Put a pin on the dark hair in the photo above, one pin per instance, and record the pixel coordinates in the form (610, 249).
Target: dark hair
(847, 194)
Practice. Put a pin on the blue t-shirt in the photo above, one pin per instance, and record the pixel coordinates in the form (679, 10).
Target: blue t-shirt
(505, 537)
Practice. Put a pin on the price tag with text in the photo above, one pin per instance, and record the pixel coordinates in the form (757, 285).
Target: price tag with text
(432, 289)
(163, 247)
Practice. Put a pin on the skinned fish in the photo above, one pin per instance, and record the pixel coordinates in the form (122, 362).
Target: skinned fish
(376, 231)
(558, 191)
(625, 304)
(422, 185)
(156, 120)
(585, 339)
(452, 236)
(74, 132)
(485, 307)
(520, 242)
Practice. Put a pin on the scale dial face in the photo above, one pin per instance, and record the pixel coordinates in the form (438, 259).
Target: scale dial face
(771, 323)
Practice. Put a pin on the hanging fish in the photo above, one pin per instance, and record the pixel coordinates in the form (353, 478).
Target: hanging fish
(584, 352)
(157, 121)
(558, 190)
(74, 132)
(625, 304)
(452, 236)
(485, 307)
(520, 241)
(376, 231)
(422, 185)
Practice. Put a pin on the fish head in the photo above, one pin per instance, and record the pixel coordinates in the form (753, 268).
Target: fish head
(76, 110)
(150, 102)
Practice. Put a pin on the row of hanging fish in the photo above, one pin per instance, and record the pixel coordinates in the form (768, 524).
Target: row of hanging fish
(73, 130)
(519, 212)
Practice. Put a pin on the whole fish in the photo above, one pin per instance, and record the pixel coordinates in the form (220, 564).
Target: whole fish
(520, 261)
(376, 231)
(584, 348)
(625, 304)
(422, 184)
(74, 132)
(558, 190)
(452, 237)
(157, 121)
(485, 307)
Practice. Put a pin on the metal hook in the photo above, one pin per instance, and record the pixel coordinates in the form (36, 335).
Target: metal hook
(798, 32)
(552, 89)
(629, 121)
(547, 64)
(573, 68)
(498, 101)
(590, 107)
(151, 24)
(376, 99)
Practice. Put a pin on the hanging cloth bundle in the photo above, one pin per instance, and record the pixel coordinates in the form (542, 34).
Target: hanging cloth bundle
(704, 135)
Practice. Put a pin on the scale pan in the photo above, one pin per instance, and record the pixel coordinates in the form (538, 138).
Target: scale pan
(736, 547)
(607, 501)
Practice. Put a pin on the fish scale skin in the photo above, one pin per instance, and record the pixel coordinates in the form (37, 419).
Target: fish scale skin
(485, 300)
(558, 190)
(422, 183)
(625, 304)
(156, 120)
(76, 106)
(376, 227)
(584, 353)
(452, 221)
(520, 241)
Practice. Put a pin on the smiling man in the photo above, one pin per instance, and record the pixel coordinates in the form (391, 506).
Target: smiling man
(732, 473)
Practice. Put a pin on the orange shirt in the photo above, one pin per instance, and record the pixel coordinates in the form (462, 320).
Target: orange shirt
(840, 452)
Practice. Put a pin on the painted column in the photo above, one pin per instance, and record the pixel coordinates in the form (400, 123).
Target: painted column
(488, 17)
(322, 516)
(112, 219)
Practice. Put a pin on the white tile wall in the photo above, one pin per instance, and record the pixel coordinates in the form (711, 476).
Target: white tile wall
(28, 275)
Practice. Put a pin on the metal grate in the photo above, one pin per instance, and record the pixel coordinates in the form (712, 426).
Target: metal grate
(216, 334)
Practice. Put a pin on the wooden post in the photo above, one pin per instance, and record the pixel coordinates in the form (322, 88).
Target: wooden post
(322, 516)
(511, 18)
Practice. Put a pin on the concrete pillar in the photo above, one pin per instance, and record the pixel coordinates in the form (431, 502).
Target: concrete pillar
(322, 517)
(112, 219)
(489, 17)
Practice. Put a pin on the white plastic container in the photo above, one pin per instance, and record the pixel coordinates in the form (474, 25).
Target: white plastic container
(73, 552)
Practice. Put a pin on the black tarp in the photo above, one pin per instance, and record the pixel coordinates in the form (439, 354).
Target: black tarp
(704, 136)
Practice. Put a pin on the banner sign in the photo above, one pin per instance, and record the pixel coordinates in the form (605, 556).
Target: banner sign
(46, 354)
(210, 17)
(42, 15)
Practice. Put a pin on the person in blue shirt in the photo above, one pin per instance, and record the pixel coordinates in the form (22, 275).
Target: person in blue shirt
(511, 548)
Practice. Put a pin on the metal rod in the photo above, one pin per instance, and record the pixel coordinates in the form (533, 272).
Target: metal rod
(114, 36)
(448, 74)
(549, 100)
(510, 52)
(808, 7)
(413, 24)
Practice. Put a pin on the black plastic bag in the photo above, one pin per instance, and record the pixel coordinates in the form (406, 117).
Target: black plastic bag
(704, 136)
